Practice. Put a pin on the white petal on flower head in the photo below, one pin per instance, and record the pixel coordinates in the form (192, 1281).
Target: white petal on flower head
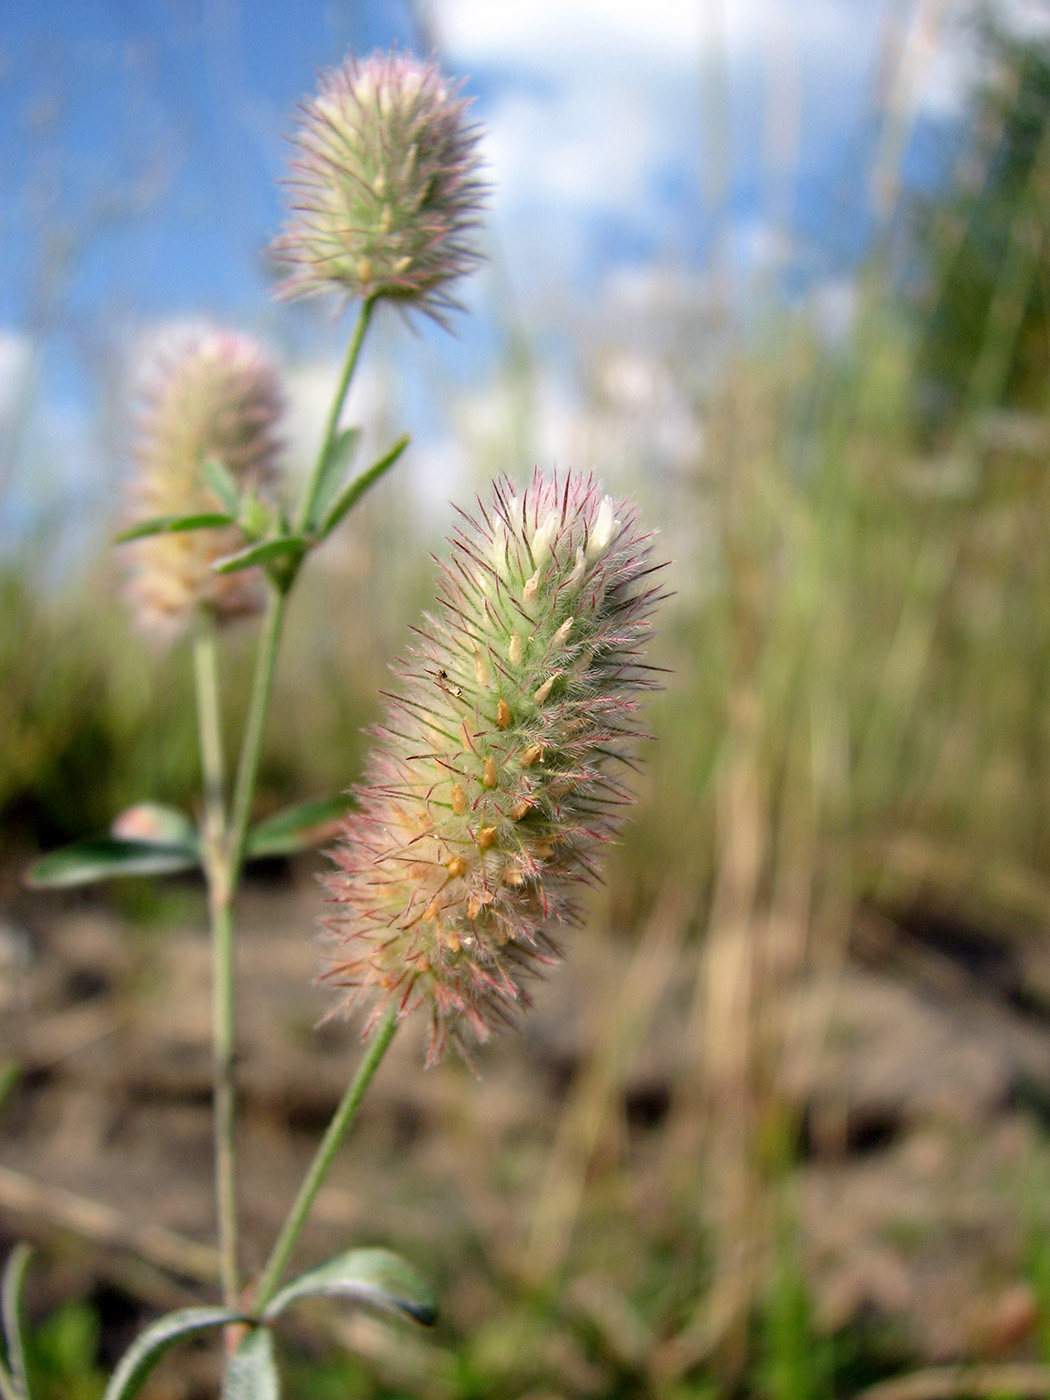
(578, 569)
(386, 187)
(487, 803)
(543, 538)
(604, 529)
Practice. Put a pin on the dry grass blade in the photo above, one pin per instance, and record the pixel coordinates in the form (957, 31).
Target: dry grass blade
(65, 1210)
(591, 1106)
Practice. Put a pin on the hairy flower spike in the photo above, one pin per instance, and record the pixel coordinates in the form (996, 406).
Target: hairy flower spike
(385, 187)
(490, 789)
(206, 394)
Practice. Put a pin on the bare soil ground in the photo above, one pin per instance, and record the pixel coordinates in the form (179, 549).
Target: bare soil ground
(921, 1172)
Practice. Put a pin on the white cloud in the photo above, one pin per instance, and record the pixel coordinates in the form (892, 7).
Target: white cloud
(16, 352)
(672, 34)
(549, 33)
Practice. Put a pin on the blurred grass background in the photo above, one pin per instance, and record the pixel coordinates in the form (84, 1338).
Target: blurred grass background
(856, 718)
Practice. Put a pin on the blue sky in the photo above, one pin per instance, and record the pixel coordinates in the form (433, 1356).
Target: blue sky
(141, 142)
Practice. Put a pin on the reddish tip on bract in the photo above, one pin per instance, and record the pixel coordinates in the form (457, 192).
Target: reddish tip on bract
(497, 774)
(384, 189)
(205, 394)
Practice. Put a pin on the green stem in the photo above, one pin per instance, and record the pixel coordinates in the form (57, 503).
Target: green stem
(220, 893)
(225, 1107)
(251, 744)
(224, 848)
(209, 727)
(7, 1386)
(353, 352)
(323, 1158)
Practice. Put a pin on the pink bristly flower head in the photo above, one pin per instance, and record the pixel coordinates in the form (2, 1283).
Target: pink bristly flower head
(385, 188)
(205, 394)
(496, 776)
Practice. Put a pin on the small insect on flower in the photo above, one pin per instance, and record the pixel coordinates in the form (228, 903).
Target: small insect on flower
(205, 394)
(496, 776)
(385, 188)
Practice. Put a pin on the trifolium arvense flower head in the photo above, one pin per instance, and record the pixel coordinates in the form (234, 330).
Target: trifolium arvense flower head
(385, 190)
(205, 394)
(496, 775)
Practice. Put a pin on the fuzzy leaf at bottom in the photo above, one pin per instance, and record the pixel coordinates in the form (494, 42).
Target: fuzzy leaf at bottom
(148, 1348)
(11, 1304)
(375, 1277)
(105, 857)
(251, 1373)
(298, 828)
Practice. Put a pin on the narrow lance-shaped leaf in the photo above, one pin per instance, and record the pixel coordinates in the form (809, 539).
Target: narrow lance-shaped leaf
(333, 471)
(352, 493)
(298, 828)
(266, 552)
(11, 1306)
(375, 1277)
(148, 1348)
(106, 858)
(173, 524)
(251, 1373)
(222, 483)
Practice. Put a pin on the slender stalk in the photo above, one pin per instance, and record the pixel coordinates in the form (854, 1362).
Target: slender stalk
(223, 1020)
(209, 727)
(220, 893)
(353, 352)
(7, 1386)
(251, 744)
(323, 1158)
(224, 855)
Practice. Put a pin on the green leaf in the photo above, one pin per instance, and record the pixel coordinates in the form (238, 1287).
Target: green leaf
(333, 470)
(298, 828)
(148, 1348)
(352, 493)
(258, 519)
(157, 825)
(11, 1308)
(265, 553)
(251, 1373)
(375, 1277)
(106, 858)
(173, 524)
(222, 483)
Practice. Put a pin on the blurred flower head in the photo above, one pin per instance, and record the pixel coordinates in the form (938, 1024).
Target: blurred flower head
(496, 775)
(385, 187)
(205, 394)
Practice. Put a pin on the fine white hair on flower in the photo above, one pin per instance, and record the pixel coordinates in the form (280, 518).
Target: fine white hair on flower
(385, 188)
(496, 775)
(204, 392)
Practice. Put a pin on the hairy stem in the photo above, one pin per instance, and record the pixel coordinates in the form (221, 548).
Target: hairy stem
(251, 743)
(353, 352)
(223, 1020)
(209, 727)
(7, 1386)
(220, 893)
(224, 847)
(323, 1159)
